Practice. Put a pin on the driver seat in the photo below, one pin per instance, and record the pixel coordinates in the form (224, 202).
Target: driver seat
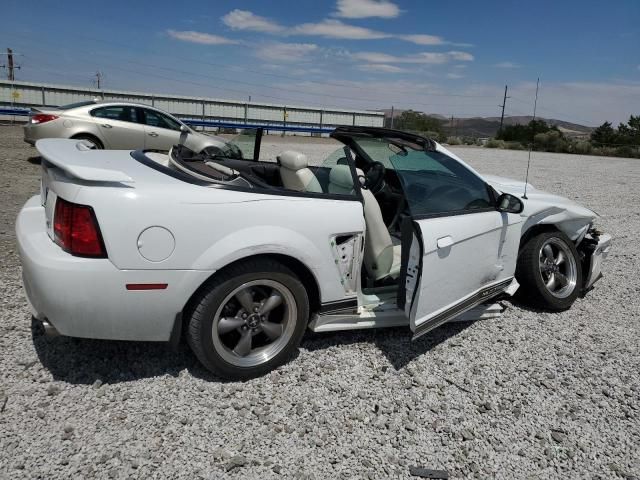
(381, 257)
(295, 172)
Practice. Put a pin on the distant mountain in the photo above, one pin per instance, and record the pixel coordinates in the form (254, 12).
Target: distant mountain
(489, 126)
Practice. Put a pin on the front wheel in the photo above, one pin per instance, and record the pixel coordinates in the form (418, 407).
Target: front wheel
(549, 272)
(248, 320)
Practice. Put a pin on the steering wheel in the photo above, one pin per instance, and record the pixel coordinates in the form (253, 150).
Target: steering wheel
(374, 178)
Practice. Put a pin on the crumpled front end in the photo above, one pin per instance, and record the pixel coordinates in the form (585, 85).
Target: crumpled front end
(593, 249)
(571, 218)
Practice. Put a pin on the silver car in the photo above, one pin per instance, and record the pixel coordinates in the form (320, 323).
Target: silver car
(116, 126)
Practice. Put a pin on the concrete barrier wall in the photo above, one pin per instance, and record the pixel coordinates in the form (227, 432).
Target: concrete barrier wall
(27, 94)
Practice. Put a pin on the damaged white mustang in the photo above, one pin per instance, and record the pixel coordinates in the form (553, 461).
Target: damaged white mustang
(241, 255)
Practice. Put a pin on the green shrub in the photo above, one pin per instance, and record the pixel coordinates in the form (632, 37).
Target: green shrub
(582, 147)
(514, 146)
(493, 143)
(454, 141)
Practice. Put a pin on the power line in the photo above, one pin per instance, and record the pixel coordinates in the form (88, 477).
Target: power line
(323, 84)
(241, 92)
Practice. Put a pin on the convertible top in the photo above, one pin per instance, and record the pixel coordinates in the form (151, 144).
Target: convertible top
(343, 134)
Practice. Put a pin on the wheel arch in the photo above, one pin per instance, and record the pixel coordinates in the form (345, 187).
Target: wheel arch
(87, 134)
(302, 271)
(535, 230)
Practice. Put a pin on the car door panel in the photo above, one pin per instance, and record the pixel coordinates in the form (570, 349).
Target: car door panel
(160, 131)
(118, 133)
(461, 261)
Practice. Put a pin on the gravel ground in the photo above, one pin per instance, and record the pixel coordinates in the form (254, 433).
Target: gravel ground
(527, 395)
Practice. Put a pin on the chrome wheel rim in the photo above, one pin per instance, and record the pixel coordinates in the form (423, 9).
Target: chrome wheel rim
(558, 268)
(254, 323)
(90, 143)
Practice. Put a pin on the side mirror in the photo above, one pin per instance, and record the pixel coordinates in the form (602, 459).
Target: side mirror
(508, 203)
(184, 129)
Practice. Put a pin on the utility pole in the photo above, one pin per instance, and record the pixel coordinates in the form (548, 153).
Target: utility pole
(451, 126)
(392, 113)
(98, 79)
(10, 66)
(504, 103)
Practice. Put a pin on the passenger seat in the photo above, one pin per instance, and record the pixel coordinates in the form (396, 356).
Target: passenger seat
(295, 173)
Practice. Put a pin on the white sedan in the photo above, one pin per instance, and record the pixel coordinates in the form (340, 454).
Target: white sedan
(240, 257)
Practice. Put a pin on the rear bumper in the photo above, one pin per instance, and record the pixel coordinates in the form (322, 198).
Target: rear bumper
(85, 297)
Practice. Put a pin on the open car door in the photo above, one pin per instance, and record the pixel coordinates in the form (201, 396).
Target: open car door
(455, 263)
(457, 249)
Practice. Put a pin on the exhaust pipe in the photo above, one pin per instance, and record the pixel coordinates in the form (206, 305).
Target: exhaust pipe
(49, 329)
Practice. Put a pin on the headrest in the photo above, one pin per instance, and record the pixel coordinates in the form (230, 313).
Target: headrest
(292, 160)
(341, 175)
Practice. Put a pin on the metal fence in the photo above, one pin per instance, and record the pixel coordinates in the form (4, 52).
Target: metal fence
(205, 110)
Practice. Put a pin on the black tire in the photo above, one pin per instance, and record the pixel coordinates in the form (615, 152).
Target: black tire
(209, 300)
(90, 138)
(533, 290)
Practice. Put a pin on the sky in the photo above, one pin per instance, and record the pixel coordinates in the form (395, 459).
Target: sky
(450, 58)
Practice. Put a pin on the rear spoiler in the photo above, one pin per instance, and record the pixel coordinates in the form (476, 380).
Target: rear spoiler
(77, 159)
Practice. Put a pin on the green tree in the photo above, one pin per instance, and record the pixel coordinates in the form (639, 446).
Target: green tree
(525, 134)
(629, 133)
(417, 122)
(604, 134)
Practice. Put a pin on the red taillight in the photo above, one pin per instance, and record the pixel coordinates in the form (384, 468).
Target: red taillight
(76, 230)
(42, 118)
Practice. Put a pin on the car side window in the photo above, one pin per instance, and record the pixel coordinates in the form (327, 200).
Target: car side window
(332, 176)
(157, 119)
(122, 113)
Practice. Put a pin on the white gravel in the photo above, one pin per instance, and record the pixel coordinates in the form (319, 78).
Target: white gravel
(527, 395)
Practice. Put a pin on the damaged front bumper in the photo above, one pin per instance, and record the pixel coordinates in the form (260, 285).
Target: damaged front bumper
(594, 248)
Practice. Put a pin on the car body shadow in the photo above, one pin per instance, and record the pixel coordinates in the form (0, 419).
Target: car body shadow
(37, 160)
(394, 343)
(83, 361)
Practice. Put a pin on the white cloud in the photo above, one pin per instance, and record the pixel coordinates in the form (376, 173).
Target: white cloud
(381, 67)
(331, 28)
(422, 39)
(418, 58)
(246, 20)
(454, 76)
(507, 65)
(286, 52)
(366, 9)
(460, 56)
(200, 37)
(337, 29)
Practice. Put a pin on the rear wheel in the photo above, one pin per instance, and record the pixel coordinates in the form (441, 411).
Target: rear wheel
(248, 320)
(95, 143)
(549, 271)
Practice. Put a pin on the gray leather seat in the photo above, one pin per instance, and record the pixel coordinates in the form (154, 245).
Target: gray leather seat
(295, 173)
(381, 256)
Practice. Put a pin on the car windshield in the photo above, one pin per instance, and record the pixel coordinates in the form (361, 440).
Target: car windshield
(433, 182)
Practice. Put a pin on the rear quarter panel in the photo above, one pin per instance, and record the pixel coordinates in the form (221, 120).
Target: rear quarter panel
(213, 227)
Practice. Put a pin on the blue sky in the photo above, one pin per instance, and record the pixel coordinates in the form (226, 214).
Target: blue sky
(452, 58)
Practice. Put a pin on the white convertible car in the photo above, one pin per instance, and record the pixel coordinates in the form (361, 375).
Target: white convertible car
(241, 256)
